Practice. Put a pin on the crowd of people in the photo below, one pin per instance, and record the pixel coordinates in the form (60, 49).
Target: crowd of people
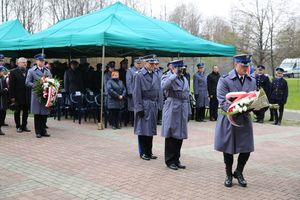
(145, 96)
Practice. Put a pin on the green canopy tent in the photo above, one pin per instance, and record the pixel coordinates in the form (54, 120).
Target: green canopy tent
(11, 30)
(123, 32)
(115, 31)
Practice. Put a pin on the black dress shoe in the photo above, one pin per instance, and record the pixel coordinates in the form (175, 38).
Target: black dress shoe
(239, 176)
(173, 167)
(2, 133)
(4, 124)
(279, 123)
(275, 123)
(145, 157)
(228, 181)
(46, 135)
(26, 129)
(202, 120)
(153, 157)
(114, 128)
(19, 130)
(180, 166)
(38, 135)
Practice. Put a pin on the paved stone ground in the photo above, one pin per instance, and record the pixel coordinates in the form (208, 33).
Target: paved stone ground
(80, 162)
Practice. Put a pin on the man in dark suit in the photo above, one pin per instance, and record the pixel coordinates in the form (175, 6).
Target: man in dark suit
(212, 82)
(20, 94)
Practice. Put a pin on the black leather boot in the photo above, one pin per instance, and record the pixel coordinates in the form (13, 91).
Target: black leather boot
(239, 176)
(228, 179)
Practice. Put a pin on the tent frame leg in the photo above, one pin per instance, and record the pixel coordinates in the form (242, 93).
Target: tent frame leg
(101, 124)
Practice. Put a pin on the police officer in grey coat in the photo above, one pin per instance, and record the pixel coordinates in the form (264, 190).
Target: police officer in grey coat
(176, 111)
(131, 72)
(146, 100)
(40, 111)
(231, 139)
(200, 92)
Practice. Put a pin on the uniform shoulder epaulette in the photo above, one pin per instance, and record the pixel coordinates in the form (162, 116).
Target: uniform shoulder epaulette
(225, 75)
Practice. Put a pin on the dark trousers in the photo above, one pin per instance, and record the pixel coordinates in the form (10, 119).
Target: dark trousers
(24, 108)
(242, 160)
(172, 151)
(114, 116)
(213, 109)
(277, 117)
(40, 124)
(2, 117)
(145, 144)
(131, 117)
(200, 113)
(260, 114)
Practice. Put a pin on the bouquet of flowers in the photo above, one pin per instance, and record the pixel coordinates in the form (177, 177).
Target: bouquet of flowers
(242, 102)
(47, 89)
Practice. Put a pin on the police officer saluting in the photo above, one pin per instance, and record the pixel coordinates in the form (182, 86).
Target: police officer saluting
(262, 81)
(146, 101)
(231, 139)
(39, 110)
(131, 72)
(279, 95)
(175, 113)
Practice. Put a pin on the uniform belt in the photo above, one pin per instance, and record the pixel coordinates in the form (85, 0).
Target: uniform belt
(182, 98)
(150, 98)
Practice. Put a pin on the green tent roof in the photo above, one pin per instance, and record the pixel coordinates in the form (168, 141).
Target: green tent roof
(12, 30)
(122, 31)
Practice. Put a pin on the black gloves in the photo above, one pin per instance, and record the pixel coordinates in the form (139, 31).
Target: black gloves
(141, 114)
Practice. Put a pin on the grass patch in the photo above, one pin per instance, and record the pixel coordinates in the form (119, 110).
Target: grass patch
(293, 101)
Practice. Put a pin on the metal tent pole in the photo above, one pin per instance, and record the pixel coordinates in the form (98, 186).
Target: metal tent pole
(100, 125)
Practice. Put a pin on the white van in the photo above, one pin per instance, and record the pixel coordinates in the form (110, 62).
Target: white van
(291, 67)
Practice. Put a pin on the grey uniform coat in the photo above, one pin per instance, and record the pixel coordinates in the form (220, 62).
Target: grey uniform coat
(35, 74)
(200, 89)
(161, 95)
(115, 88)
(177, 108)
(228, 138)
(131, 72)
(146, 98)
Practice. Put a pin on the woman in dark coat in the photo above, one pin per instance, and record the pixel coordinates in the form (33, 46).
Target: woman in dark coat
(116, 98)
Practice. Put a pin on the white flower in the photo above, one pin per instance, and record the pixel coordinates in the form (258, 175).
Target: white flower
(237, 106)
(240, 109)
(245, 108)
(234, 109)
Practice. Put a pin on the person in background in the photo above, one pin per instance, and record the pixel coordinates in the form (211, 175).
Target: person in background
(73, 79)
(200, 92)
(131, 72)
(262, 81)
(3, 97)
(175, 114)
(212, 82)
(279, 95)
(20, 94)
(116, 99)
